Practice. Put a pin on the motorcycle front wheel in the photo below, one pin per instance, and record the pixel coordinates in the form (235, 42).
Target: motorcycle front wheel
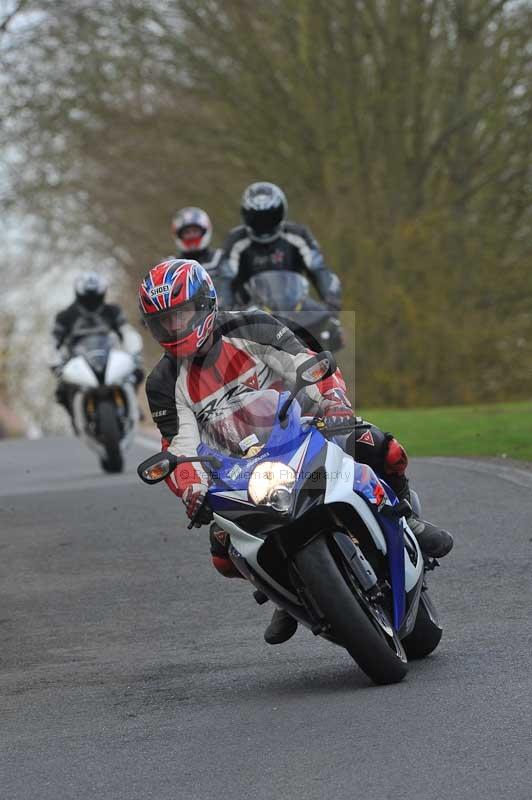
(109, 435)
(364, 632)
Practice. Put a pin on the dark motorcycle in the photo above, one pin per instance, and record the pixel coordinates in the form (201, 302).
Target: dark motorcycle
(285, 296)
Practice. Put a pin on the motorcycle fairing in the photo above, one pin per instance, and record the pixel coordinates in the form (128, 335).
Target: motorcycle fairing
(230, 494)
(366, 485)
(119, 366)
(346, 481)
(245, 548)
(288, 444)
(396, 564)
(77, 371)
(404, 574)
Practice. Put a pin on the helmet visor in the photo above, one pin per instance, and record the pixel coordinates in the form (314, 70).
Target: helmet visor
(190, 237)
(91, 300)
(175, 324)
(263, 222)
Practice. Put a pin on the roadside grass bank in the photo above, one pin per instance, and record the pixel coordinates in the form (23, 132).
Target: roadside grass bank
(502, 430)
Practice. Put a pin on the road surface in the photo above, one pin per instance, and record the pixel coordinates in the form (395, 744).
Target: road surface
(129, 670)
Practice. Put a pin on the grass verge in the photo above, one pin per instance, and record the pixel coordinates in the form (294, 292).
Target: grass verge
(499, 430)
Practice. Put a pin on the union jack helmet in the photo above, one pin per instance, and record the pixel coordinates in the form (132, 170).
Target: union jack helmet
(178, 302)
(192, 229)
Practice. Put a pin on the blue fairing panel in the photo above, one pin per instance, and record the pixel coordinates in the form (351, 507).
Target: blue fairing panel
(366, 483)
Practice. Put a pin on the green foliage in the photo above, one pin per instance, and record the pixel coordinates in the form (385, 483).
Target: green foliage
(503, 430)
(399, 129)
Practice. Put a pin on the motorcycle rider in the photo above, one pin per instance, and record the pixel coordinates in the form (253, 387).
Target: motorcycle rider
(90, 314)
(212, 355)
(266, 241)
(192, 229)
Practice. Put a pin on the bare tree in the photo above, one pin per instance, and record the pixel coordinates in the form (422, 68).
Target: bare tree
(400, 130)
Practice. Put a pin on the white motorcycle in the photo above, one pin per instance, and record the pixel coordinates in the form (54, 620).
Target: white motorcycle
(104, 403)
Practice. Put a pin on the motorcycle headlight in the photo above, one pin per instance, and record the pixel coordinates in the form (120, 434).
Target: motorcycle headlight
(271, 483)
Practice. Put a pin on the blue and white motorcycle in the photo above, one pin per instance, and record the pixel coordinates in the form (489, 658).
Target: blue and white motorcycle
(314, 531)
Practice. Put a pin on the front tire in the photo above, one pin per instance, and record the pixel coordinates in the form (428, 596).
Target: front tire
(109, 435)
(350, 623)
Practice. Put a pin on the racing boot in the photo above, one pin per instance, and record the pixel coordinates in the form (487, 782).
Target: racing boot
(281, 628)
(433, 542)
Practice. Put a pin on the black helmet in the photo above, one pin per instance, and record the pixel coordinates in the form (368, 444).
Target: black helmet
(90, 290)
(263, 208)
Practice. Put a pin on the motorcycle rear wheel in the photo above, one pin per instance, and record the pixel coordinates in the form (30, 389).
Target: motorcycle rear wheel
(109, 434)
(351, 624)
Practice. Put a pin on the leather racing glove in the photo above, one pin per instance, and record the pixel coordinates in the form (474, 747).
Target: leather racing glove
(194, 498)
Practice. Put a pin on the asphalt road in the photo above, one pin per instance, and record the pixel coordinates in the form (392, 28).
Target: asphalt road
(129, 670)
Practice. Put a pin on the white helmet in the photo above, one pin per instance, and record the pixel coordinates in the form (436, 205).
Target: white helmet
(199, 233)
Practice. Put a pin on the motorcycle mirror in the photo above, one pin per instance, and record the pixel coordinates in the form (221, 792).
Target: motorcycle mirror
(157, 467)
(315, 369)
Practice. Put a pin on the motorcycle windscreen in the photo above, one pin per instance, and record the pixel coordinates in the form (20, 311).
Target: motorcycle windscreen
(95, 349)
(277, 291)
(242, 425)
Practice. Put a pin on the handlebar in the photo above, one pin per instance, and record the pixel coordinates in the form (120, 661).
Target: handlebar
(343, 427)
